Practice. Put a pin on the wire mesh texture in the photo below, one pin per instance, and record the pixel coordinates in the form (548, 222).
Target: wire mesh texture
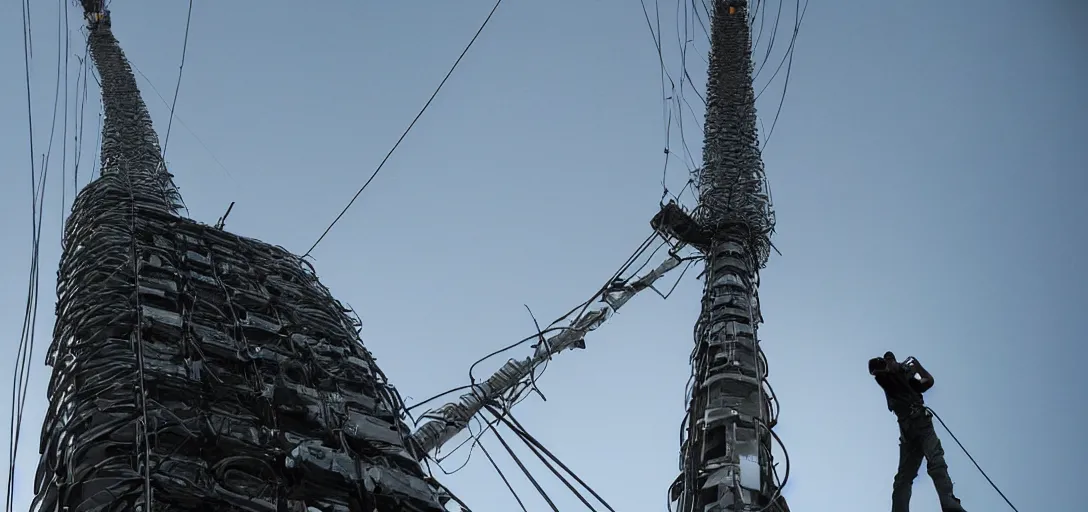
(194, 369)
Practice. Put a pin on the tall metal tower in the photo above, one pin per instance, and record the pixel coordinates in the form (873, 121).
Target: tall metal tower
(726, 458)
(194, 369)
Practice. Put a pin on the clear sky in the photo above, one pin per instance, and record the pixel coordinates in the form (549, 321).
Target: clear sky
(929, 169)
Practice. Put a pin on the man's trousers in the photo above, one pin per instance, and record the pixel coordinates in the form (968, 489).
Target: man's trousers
(918, 440)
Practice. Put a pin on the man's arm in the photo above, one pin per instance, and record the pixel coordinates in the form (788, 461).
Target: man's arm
(920, 379)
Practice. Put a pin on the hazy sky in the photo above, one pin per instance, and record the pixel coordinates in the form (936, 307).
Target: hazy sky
(928, 169)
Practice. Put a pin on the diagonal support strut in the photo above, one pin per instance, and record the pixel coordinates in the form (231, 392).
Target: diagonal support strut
(450, 419)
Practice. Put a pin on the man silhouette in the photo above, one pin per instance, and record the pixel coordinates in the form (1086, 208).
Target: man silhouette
(903, 385)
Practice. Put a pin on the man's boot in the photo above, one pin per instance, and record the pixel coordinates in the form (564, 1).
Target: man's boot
(949, 501)
(951, 504)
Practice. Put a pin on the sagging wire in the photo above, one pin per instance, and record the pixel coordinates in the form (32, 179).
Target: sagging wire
(772, 397)
(787, 60)
(683, 42)
(780, 483)
(409, 129)
(434, 482)
(666, 107)
(518, 394)
(686, 459)
(138, 349)
(473, 441)
(457, 500)
(503, 477)
(174, 116)
(582, 306)
(674, 101)
(61, 53)
(438, 485)
(538, 449)
(473, 438)
(64, 135)
(79, 115)
(972, 458)
(97, 160)
(664, 111)
(692, 19)
(528, 474)
(483, 449)
(82, 92)
(690, 261)
(38, 185)
(511, 397)
(177, 88)
(544, 454)
(543, 341)
(759, 11)
(24, 352)
(689, 431)
(436, 397)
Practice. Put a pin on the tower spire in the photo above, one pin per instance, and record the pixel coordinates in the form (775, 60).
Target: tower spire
(726, 459)
(130, 146)
(194, 369)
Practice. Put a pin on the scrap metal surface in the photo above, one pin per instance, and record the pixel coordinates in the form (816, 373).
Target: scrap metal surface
(200, 370)
(130, 145)
(726, 457)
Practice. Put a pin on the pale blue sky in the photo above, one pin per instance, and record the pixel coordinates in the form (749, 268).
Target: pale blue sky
(929, 171)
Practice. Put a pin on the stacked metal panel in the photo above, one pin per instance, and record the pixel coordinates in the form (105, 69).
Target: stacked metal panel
(726, 458)
(197, 370)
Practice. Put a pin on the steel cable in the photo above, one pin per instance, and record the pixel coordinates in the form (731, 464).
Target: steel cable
(407, 130)
(973, 461)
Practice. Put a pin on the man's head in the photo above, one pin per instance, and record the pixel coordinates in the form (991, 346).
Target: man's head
(889, 356)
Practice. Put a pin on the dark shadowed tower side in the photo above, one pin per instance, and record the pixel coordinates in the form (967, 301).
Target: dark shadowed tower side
(726, 459)
(194, 369)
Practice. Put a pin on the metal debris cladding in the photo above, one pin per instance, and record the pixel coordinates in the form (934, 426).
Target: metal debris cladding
(198, 370)
(726, 456)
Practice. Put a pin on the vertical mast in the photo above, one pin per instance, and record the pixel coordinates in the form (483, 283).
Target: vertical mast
(726, 458)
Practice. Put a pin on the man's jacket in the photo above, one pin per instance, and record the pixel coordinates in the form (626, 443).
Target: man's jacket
(903, 383)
